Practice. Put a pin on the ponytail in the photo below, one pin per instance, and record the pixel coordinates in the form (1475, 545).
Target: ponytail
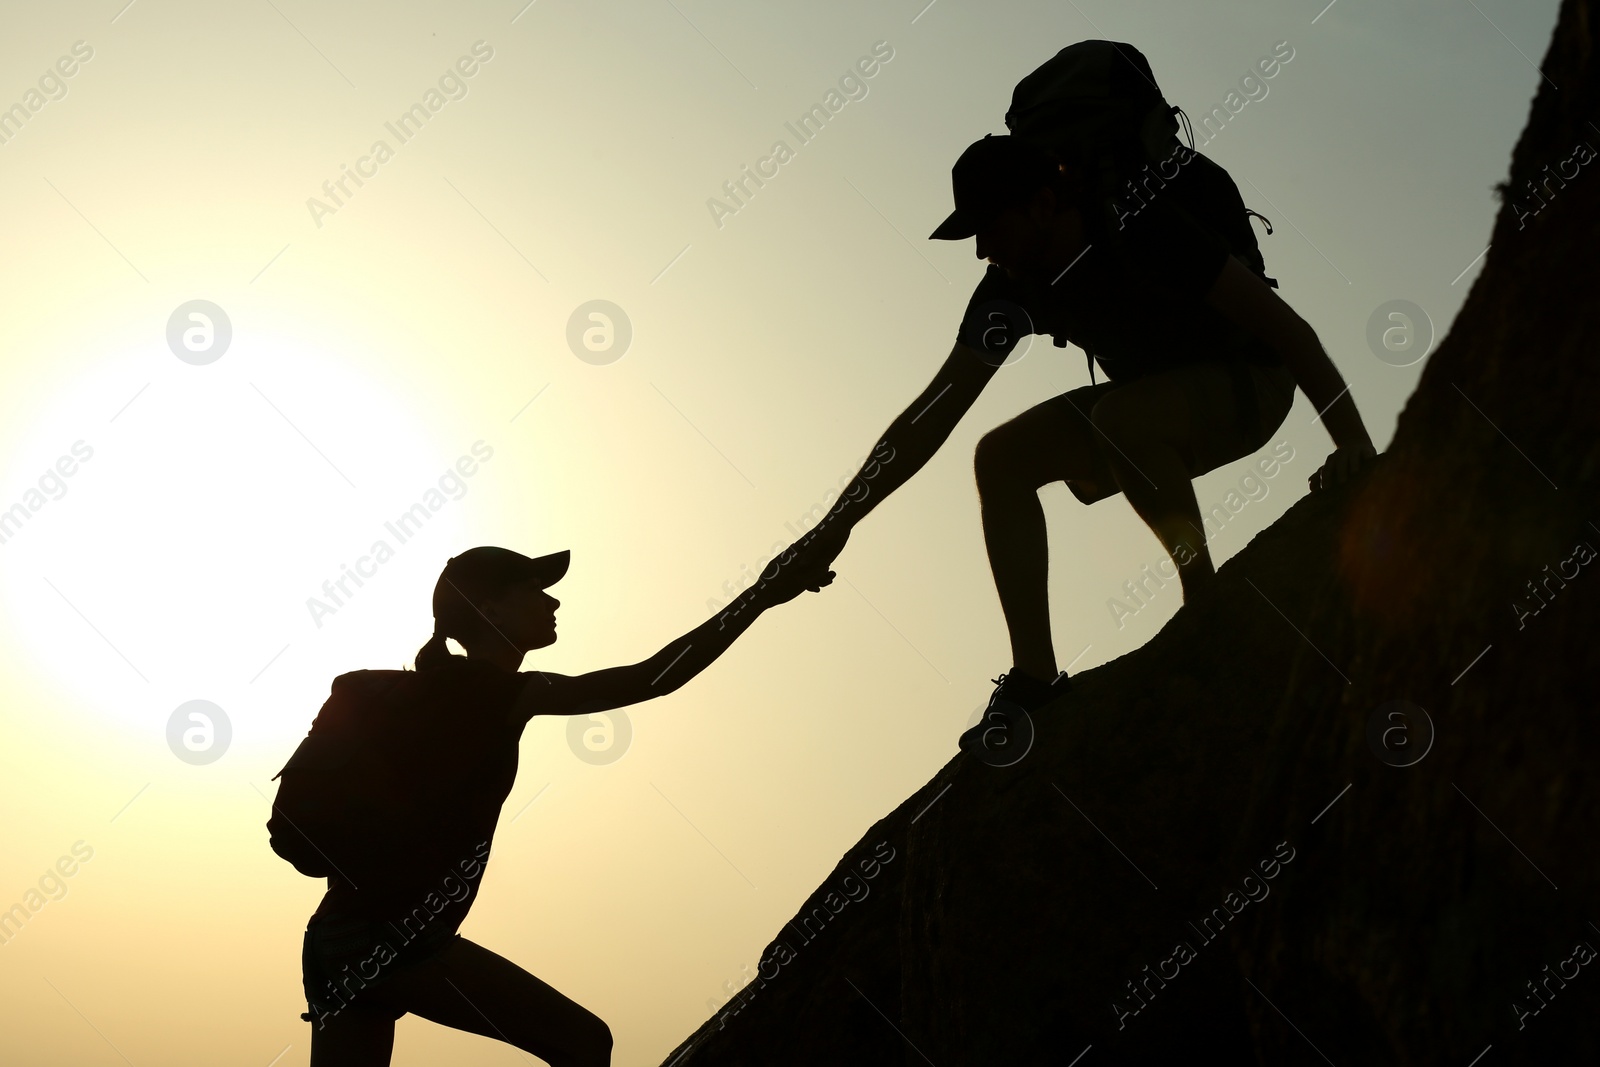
(434, 654)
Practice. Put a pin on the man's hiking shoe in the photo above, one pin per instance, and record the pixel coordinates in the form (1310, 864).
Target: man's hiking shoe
(1027, 692)
(1005, 732)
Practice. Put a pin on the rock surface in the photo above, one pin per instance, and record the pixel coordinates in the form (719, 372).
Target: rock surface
(1231, 787)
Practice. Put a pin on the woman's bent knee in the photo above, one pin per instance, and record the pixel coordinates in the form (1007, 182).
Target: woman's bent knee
(591, 1047)
(598, 1036)
(602, 1044)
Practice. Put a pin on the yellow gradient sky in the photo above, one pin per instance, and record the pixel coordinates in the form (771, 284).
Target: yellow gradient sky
(374, 344)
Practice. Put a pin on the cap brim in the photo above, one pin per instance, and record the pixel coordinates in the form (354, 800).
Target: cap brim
(958, 227)
(548, 570)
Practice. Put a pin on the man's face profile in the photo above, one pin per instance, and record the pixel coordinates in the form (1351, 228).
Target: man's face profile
(1021, 237)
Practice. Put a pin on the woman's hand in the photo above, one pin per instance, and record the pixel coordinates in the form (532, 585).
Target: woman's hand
(1341, 466)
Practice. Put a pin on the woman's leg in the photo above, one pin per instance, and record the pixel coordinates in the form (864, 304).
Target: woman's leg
(1051, 442)
(344, 1032)
(352, 1038)
(467, 987)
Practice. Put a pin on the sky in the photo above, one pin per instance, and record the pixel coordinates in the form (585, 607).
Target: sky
(226, 377)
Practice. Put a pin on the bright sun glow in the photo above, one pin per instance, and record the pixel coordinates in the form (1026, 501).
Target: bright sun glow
(224, 498)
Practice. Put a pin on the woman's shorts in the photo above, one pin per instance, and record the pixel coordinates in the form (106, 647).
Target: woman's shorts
(1240, 405)
(344, 958)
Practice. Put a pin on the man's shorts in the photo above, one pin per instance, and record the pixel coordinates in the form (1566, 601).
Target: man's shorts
(342, 961)
(1243, 405)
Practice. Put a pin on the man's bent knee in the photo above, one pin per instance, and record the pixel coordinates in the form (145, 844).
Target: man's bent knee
(994, 460)
(1016, 454)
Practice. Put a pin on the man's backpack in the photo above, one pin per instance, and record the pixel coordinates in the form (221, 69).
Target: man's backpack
(1095, 105)
(339, 798)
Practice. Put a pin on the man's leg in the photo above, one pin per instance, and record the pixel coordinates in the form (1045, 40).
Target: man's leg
(1164, 430)
(1048, 443)
(1146, 430)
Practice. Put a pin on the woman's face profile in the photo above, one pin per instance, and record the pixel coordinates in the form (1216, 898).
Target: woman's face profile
(526, 613)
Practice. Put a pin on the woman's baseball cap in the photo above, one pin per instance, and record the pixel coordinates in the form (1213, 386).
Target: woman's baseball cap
(479, 573)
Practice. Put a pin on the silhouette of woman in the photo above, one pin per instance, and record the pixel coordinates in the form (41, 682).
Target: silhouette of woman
(371, 954)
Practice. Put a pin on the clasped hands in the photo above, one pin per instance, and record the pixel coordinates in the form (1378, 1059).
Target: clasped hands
(803, 566)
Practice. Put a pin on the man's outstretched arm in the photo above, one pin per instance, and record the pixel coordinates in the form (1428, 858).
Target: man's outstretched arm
(904, 448)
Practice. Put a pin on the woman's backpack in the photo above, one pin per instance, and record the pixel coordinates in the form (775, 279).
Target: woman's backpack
(1096, 106)
(339, 798)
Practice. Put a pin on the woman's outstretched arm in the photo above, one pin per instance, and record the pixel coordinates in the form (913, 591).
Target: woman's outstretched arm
(676, 663)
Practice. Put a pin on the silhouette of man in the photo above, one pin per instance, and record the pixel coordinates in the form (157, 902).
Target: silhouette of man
(1201, 356)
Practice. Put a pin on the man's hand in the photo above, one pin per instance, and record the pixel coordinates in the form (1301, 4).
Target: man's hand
(1341, 466)
(819, 548)
(793, 578)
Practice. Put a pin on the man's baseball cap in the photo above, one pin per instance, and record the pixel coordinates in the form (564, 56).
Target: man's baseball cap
(995, 173)
(479, 573)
